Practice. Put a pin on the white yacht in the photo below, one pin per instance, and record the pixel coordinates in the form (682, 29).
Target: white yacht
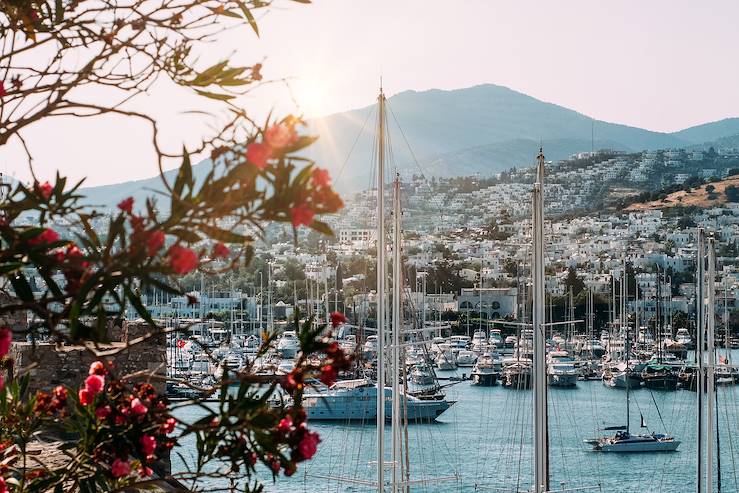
(351, 400)
(496, 339)
(561, 371)
(466, 358)
(683, 337)
(486, 371)
(623, 441)
(288, 344)
(446, 359)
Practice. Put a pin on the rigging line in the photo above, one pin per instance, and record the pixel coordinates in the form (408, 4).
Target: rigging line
(658, 411)
(356, 139)
(402, 133)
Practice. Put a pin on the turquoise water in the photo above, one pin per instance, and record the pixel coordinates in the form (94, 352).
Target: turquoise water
(484, 440)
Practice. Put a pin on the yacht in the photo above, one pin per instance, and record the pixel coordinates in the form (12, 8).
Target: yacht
(421, 375)
(288, 344)
(486, 370)
(370, 347)
(518, 375)
(351, 400)
(683, 337)
(496, 339)
(659, 377)
(620, 376)
(623, 441)
(561, 371)
(466, 358)
(446, 359)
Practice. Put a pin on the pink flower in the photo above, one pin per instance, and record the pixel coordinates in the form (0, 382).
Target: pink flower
(285, 425)
(182, 260)
(309, 444)
(328, 375)
(45, 190)
(168, 427)
(3, 486)
(6, 338)
(126, 205)
(148, 444)
(3, 92)
(301, 214)
(85, 397)
(154, 242)
(258, 154)
(120, 468)
(138, 407)
(221, 250)
(102, 412)
(320, 178)
(145, 471)
(47, 236)
(280, 135)
(94, 384)
(97, 368)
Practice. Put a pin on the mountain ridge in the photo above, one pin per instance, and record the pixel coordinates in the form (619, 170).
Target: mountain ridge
(483, 129)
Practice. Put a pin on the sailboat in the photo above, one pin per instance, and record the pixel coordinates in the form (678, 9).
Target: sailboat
(623, 440)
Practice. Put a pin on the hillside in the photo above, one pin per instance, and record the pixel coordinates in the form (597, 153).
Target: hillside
(482, 129)
(698, 197)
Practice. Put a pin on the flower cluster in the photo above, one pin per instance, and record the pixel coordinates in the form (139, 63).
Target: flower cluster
(147, 241)
(6, 338)
(130, 427)
(302, 442)
(276, 139)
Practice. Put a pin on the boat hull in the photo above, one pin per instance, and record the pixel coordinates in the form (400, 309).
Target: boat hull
(485, 379)
(638, 446)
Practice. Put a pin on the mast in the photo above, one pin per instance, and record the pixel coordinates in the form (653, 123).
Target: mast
(397, 327)
(625, 329)
(700, 333)
(381, 292)
(541, 442)
(711, 364)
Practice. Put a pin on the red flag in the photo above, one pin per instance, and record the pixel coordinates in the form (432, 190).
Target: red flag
(181, 343)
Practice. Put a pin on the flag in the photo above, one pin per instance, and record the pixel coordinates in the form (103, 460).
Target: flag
(181, 343)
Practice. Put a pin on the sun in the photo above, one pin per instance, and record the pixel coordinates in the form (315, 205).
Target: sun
(311, 97)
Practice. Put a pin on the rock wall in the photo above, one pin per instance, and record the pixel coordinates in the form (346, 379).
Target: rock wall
(52, 365)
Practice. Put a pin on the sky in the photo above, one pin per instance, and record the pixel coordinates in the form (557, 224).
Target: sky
(662, 65)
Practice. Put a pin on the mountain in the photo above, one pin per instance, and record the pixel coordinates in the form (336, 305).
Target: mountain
(710, 131)
(482, 129)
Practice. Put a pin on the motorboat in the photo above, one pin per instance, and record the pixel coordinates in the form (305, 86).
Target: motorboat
(356, 400)
(446, 359)
(518, 375)
(682, 336)
(620, 376)
(561, 371)
(495, 339)
(288, 344)
(421, 375)
(466, 358)
(486, 370)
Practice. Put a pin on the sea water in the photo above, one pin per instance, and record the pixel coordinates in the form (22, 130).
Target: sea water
(483, 443)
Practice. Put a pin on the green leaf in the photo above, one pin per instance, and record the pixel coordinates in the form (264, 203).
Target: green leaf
(249, 17)
(213, 95)
(322, 227)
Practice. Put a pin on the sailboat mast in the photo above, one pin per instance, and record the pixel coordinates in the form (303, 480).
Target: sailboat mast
(711, 363)
(699, 345)
(541, 442)
(381, 293)
(397, 327)
(625, 330)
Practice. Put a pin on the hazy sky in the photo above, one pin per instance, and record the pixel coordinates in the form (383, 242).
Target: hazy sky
(658, 64)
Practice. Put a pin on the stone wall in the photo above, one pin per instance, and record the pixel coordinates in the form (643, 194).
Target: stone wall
(52, 365)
